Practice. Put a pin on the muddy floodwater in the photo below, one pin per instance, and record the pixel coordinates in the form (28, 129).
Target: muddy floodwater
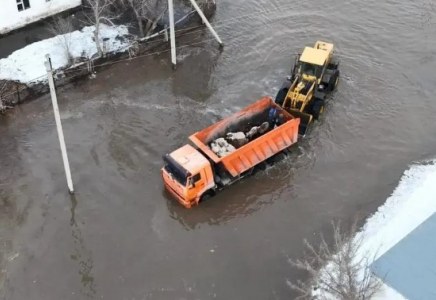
(122, 237)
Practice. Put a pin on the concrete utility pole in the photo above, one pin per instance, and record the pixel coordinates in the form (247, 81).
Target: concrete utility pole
(58, 123)
(202, 16)
(172, 31)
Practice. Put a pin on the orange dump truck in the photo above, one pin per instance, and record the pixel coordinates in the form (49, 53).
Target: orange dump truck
(229, 150)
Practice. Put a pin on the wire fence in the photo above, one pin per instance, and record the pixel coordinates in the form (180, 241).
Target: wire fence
(148, 41)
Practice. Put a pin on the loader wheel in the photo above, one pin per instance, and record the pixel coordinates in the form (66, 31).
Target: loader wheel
(334, 81)
(281, 95)
(318, 109)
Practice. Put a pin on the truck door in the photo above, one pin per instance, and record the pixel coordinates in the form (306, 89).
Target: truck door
(196, 184)
(199, 181)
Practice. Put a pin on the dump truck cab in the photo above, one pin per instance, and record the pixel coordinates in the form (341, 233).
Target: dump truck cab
(187, 175)
(314, 75)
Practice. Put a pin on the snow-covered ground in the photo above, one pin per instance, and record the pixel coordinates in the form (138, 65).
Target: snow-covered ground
(411, 203)
(27, 64)
(11, 18)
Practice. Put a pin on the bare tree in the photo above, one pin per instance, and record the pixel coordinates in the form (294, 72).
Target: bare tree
(5, 89)
(100, 13)
(62, 29)
(147, 13)
(344, 272)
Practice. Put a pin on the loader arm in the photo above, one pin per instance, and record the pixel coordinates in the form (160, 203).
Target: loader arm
(288, 97)
(294, 97)
(308, 97)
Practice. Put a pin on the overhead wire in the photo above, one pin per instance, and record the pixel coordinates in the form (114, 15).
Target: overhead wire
(219, 24)
(216, 24)
(196, 43)
(242, 35)
(189, 30)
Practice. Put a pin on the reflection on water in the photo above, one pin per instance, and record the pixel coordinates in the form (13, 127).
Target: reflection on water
(82, 255)
(201, 86)
(239, 200)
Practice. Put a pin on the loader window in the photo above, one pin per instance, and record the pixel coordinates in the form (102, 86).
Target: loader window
(311, 69)
(308, 69)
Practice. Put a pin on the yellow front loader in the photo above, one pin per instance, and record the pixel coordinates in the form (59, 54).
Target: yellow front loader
(315, 75)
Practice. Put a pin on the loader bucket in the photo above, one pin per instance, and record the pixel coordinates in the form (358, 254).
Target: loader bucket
(305, 120)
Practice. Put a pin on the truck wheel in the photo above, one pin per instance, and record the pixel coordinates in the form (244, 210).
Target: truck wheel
(281, 95)
(259, 168)
(276, 158)
(334, 81)
(206, 196)
(318, 109)
(280, 156)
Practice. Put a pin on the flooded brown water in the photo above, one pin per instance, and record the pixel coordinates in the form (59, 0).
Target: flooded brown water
(122, 237)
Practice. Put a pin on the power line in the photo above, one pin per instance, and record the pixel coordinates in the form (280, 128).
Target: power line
(226, 22)
(221, 23)
(192, 44)
(216, 24)
(232, 40)
(242, 35)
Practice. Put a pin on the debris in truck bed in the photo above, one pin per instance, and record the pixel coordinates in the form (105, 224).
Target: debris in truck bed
(234, 140)
(236, 135)
(221, 147)
(253, 131)
(257, 131)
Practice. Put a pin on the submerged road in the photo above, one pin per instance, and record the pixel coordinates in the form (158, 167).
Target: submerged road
(122, 237)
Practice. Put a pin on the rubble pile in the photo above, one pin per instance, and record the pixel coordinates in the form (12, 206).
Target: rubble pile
(221, 147)
(234, 140)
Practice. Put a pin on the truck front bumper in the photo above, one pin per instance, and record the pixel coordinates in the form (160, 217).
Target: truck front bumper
(183, 201)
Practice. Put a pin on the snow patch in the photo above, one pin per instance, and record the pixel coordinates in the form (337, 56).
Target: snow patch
(411, 203)
(27, 64)
(11, 18)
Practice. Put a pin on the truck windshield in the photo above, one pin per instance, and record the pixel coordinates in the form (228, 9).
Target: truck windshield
(176, 174)
(175, 169)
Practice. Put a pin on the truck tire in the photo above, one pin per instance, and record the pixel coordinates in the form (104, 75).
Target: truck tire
(276, 158)
(281, 95)
(261, 167)
(317, 109)
(334, 81)
(280, 156)
(206, 196)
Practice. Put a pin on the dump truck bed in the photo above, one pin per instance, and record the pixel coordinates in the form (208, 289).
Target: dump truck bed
(255, 151)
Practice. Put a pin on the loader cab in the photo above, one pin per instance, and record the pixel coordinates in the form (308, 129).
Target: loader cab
(310, 71)
(187, 175)
(312, 63)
